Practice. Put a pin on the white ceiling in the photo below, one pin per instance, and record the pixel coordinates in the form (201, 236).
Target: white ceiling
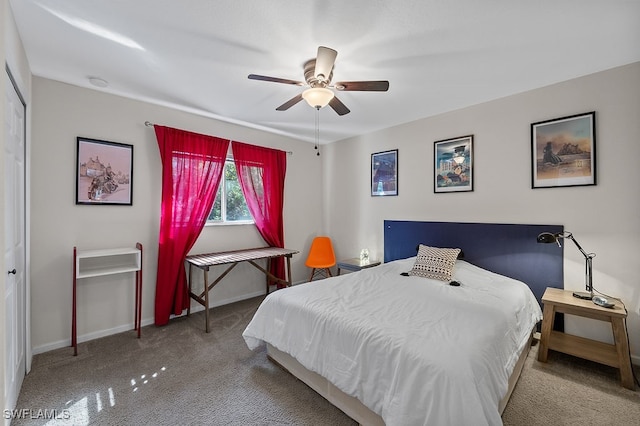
(438, 55)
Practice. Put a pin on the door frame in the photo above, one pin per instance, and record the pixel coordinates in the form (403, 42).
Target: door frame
(27, 218)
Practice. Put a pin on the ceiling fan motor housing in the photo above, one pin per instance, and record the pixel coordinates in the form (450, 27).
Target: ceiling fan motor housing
(313, 80)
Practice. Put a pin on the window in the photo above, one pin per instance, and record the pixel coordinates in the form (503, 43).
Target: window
(229, 205)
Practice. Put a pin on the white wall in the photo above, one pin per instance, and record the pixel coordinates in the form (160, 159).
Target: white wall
(603, 218)
(62, 112)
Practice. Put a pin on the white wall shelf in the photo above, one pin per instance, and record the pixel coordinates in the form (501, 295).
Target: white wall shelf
(95, 263)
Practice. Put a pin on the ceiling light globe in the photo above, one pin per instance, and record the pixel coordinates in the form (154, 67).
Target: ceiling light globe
(317, 97)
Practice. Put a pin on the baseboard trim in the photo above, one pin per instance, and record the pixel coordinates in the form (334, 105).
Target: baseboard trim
(129, 327)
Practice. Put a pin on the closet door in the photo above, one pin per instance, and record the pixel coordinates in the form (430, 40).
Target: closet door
(14, 238)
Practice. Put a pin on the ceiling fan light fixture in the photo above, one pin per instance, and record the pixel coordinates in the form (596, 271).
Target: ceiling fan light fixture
(318, 97)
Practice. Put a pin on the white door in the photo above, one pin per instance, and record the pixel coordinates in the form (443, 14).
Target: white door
(15, 254)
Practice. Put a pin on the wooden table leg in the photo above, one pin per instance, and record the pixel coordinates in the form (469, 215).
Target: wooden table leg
(267, 276)
(189, 285)
(206, 299)
(548, 317)
(289, 271)
(622, 347)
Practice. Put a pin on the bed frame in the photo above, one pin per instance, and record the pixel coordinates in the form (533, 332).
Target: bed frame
(507, 249)
(350, 405)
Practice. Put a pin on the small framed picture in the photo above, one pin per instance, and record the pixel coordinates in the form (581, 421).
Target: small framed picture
(453, 168)
(104, 172)
(384, 173)
(563, 151)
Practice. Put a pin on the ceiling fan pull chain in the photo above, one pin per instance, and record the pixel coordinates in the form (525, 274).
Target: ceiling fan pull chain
(317, 130)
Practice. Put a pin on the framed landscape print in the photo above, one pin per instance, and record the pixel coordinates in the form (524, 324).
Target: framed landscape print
(384, 173)
(563, 151)
(453, 168)
(104, 172)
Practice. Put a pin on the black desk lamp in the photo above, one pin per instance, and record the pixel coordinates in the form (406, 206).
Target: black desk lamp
(547, 237)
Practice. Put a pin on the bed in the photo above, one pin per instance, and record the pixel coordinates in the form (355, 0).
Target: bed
(402, 350)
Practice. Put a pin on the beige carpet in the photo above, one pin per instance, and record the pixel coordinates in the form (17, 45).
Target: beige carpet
(179, 375)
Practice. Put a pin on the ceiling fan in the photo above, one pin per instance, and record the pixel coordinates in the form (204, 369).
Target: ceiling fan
(318, 73)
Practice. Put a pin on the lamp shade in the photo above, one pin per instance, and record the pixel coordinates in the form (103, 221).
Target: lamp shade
(317, 97)
(547, 237)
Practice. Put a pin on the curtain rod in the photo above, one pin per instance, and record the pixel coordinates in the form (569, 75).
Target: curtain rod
(150, 124)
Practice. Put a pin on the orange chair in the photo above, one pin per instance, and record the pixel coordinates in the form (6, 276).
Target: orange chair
(321, 257)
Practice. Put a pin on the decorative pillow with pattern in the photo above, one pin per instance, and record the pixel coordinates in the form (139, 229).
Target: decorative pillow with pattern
(434, 262)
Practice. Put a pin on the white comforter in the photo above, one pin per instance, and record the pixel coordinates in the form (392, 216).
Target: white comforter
(414, 350)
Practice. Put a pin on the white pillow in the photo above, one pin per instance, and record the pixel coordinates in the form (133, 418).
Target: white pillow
(435, 262)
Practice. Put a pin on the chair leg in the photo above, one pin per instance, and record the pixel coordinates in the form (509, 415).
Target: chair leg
(326, 273)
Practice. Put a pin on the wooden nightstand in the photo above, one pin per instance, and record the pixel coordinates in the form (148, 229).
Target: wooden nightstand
(616, 355)
(355, 264)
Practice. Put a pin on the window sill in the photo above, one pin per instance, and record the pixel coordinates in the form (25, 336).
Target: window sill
(237, 223)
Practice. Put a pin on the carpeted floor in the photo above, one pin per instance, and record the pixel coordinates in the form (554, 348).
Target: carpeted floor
(178, 374)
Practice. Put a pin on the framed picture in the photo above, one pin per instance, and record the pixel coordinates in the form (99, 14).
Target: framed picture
(563, 151)
(384, 173)
(104, 172)
(453, 167)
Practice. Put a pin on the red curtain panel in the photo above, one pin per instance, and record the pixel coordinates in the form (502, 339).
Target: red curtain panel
(261, 172)
(192, 166)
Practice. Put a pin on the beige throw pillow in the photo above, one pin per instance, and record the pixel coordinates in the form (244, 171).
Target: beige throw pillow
(434, 262)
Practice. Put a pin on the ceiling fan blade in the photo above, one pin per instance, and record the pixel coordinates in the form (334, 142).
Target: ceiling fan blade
(275, 79)
(363, 86)
(291, 102)
(324, 63)
(338, 106)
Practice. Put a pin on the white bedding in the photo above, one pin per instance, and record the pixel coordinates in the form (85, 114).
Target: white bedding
(414, 350)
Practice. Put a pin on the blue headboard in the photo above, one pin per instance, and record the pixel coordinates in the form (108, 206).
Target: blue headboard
(506, 249)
